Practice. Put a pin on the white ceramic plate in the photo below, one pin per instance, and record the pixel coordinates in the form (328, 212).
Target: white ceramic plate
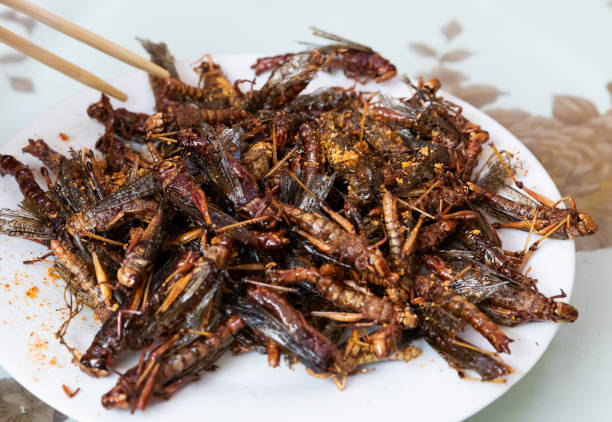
(244, 388)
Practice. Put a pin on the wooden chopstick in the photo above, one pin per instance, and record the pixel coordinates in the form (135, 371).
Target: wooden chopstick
(79, 33)
(46, 57)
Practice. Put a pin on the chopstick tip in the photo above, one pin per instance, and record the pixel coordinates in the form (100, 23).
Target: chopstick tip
(119, 95)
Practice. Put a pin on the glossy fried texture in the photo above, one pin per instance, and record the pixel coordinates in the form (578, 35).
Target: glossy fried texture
(329, 228)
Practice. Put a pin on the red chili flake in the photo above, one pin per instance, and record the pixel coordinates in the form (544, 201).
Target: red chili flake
(69, 393)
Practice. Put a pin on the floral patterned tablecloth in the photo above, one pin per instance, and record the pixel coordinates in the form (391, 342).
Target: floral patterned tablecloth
(542, 70)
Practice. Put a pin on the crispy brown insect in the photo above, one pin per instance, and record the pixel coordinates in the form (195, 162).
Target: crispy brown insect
(41, 150)
(288, 80)
(224, 115)
(312, 148)
(477, 137)
(183, 89)
(119, 155)
(396, 236)
(570, 221)
(29, 187)
(525, 304)
(492, 255)
(264, 64)
(441, 328)
(85, 283)
(165, 377)
(257, 159)
(358, 61)
(214, 83)
(295, 321)
(386, 340)
(362, 66)
(349, 364)
(180, 187)
(124, 327)
(432, 235)
(367, 305)
(139, 257)
(331, 238)
(126, 124)
(435, 292)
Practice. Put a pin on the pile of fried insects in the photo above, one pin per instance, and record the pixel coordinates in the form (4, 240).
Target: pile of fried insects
(334, 227)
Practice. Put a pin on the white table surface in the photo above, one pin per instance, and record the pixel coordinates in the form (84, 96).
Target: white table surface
(504, 56)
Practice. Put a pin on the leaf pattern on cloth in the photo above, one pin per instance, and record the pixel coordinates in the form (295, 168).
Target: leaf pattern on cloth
(12, 58)
(452, 29)
(455, 55)
(12, 16)
(454, 80)
(21, 84)
(423, 49)
(19, 405)
(573, 110)
(479, 95)
(18, 84)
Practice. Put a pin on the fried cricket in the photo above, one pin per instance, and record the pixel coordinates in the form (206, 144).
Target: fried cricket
(330, 228)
